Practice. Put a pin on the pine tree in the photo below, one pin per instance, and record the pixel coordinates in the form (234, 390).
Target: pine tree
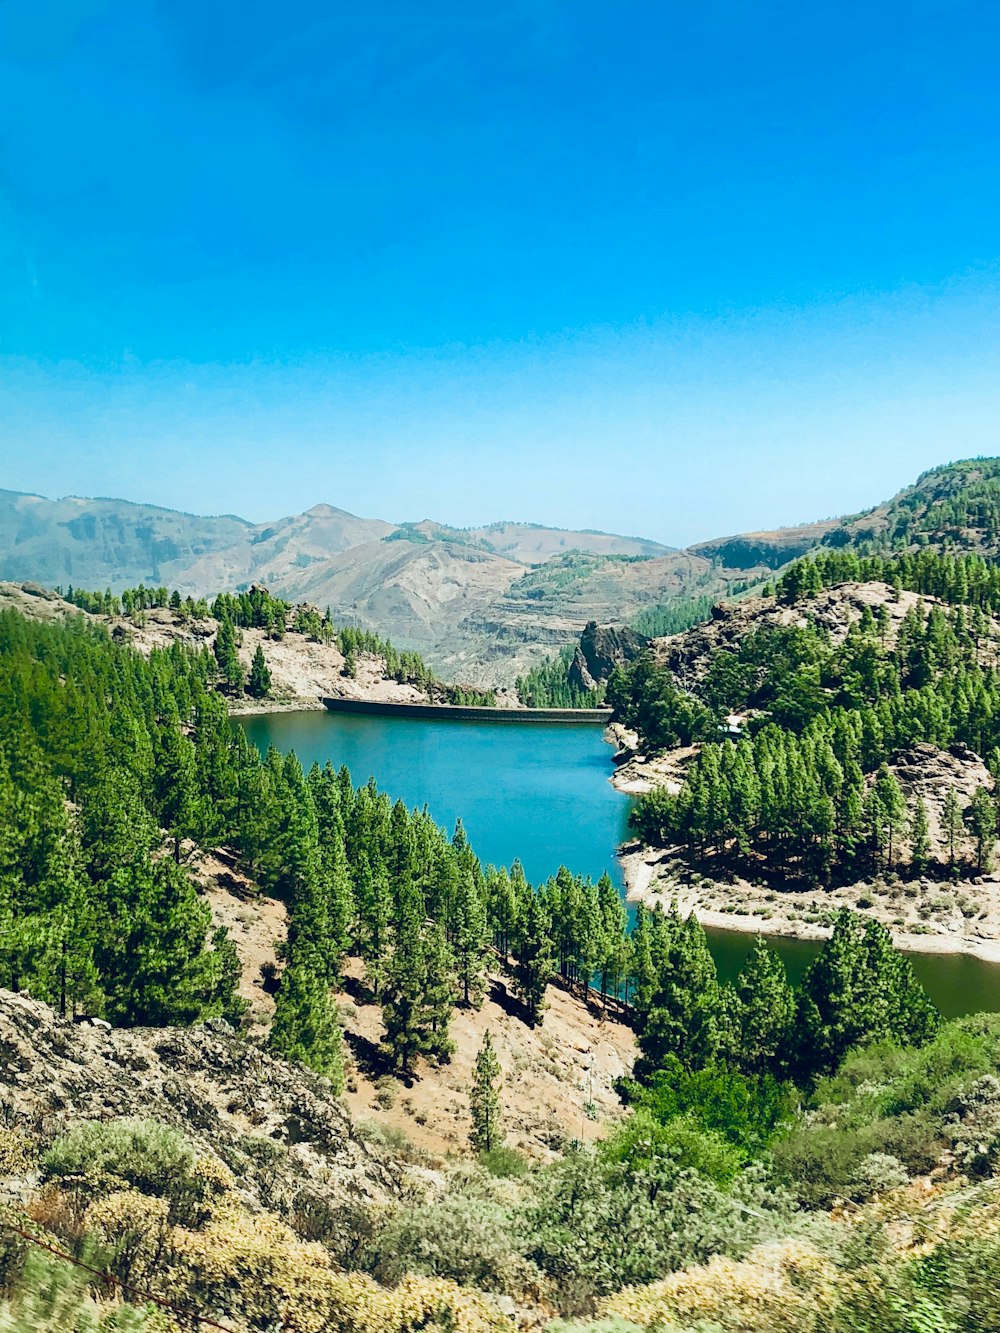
(484, 1100)
(858, 989)
(642, 969)
(305, 1027)
(470, 937)
(758, 1015)
(613, 937)
(175, 784)
(920, 841)
(684, 1017)
(259, 683)
(892, 811)
(439, 994)
(403, 996)
(982, 822)
(226, 655)
(534, 959)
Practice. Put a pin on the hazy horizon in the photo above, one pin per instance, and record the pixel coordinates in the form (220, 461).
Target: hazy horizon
(530, 521)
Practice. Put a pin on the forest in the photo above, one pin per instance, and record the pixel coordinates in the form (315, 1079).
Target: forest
(807, 789)
(116, 768)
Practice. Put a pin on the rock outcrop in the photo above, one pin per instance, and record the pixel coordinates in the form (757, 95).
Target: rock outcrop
(600, 650)
(278, 1127)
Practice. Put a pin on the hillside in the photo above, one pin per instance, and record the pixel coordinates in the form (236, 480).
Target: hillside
(951, 508)
(214, 1182)
(765, 550)
(842, 702)
(303, 669)
(482, 603)
(281, 1053)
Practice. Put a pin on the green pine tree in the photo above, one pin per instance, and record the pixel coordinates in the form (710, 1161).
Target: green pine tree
(305, 1027)
(758, 1015)
(259, 683)
(920, 840)
(534, 959)
(484, 1100)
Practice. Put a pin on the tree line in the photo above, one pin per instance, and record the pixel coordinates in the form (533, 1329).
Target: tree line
(962, 580)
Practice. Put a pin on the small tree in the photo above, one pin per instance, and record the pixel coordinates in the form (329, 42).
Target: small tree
(981, 820)
(259, 683)
(484, 1100)
(226, 655)
(920, 842)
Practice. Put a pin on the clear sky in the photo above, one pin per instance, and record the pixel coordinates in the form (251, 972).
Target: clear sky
(673, 269)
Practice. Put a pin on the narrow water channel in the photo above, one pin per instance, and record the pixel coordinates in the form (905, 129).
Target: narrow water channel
(542, 793)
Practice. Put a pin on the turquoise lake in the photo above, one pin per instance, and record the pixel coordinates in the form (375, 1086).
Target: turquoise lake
(541, 793)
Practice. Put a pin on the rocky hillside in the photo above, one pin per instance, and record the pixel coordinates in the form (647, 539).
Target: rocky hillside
(483, 604)
(955, 508)
(810, 669)
(834, 611)
(275, 1125)
(303, 672)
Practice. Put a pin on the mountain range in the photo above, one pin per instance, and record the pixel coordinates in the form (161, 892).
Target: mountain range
(480, 603)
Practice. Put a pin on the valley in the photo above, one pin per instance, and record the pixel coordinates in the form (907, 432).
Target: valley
(480, 604)
(301, 1049)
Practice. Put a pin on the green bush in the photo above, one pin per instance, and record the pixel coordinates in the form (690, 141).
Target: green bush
(98, 1156)
(504, 1163)
(680, 1142)
(470, 1240)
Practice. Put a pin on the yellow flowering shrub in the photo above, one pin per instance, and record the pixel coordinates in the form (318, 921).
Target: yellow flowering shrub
(135, 1229)
(255, 1268)
(17, 1153)
(786, 1287)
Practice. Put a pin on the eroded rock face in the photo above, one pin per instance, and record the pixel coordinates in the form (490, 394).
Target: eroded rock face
(600, 650)
(278, 1127)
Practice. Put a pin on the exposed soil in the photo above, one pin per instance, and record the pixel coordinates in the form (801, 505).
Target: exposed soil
(557, 1078)
(256, 923)
(924, 916)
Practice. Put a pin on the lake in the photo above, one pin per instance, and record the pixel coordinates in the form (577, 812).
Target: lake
(541, 792)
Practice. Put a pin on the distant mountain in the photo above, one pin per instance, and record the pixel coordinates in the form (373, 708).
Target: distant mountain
(92, 543)
(482, 604)
(428, 585)
(771, 550)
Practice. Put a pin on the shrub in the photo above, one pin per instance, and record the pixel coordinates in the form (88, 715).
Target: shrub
(153, 1158)
(877, 1174)
(680, 1142)
(468, 1240)
(504, 1163)
(18, 1154)
(783, 1288)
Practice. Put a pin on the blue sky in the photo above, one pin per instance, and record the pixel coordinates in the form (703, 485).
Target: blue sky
(649, 267)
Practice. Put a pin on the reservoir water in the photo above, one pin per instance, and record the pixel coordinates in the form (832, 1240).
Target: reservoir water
(541, 792)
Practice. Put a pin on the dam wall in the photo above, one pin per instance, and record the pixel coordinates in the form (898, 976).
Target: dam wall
(460, 713)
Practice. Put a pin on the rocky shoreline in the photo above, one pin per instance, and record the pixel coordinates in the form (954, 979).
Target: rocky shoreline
(924, 916)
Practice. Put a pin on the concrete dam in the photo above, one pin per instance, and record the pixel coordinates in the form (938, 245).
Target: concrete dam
(461, 713)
